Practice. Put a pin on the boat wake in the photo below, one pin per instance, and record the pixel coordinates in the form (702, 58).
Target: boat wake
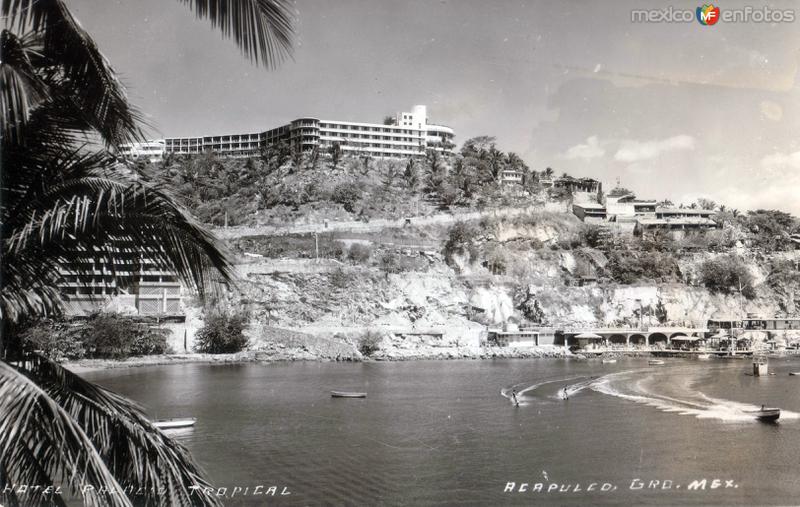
(524, 393)
(676, 395)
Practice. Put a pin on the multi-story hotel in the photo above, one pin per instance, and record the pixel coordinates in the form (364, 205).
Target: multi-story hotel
(410, 135)
(91, 283)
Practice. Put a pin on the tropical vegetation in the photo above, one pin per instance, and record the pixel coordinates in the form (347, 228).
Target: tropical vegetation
(65, 197)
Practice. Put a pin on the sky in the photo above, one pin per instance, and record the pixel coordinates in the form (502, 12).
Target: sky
(670, 110)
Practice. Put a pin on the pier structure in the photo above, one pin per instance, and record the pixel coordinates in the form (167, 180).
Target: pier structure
(629, 337)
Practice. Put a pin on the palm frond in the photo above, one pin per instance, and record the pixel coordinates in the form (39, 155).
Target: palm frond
(75, 62)
(90, 210)
(153, 468)
(41, 444)
(21, 88)
(263, 29)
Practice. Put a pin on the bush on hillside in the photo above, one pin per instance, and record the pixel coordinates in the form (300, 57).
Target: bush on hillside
(461, 240)
(112, 336)
(369, 343)
(359, 253)
(629, 267)
(390, 263)
(340, 278)
(222, 333)
(347, 194)
(727, 274)
(57, 340)
(102, 335)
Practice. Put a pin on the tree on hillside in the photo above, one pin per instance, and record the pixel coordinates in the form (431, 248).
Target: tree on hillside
(478, 147)
(548, 173)
(727, 274)
(496, 163)
(706, 204)
(336, 154)
(389, 120)
(366, 164)
(61, 199)
(389, 177)
(411, 175)
(436, 171)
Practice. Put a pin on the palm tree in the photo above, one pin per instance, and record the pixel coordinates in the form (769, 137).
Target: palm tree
(65, 196)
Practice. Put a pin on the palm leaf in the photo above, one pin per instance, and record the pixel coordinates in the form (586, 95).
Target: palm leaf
(74, 61)
(89, 213)
(21, 88)
(263, 29)
(41, 444)
(139, 455)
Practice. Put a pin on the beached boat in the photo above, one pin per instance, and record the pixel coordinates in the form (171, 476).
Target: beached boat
(609, 361)
(655, 362)
(347, 394)
(766, 414)
(178, 422)
(704, 356)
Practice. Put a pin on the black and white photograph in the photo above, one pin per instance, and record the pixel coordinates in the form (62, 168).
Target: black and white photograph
(399, 252)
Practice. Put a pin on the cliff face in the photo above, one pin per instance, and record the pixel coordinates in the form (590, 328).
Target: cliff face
(521, 271)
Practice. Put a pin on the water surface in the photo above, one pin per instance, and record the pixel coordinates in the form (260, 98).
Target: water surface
(447, 433)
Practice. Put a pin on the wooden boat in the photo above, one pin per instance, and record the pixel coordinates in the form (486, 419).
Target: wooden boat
(655, 362)
(794, 373)
(766, 414)
(347, 394)
(609, 361)
(178, 422)
(704, 356)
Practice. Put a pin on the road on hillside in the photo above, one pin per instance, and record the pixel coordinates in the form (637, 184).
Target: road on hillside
(375, 224)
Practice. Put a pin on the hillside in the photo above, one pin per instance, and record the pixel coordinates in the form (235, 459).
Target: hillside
(336, 249)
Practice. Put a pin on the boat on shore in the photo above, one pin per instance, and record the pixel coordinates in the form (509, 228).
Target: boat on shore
(766, 414)
(177, 422)
(655, 362)
(347, 394)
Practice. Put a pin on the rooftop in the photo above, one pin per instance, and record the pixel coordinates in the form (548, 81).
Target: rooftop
(677, 211)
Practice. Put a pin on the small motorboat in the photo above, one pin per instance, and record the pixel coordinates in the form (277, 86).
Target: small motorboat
(178, 422)
(794, 373)
(704, 356)
(347, 394)
(609, 361)
(655, 362)
(766, 414)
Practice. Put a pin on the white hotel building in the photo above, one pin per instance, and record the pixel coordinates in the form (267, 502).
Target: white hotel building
(410, 136)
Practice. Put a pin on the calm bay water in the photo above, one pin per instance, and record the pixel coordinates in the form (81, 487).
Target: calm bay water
(445, 433)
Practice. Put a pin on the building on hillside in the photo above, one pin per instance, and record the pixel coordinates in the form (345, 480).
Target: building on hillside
(668, 212)
(130, 284)
(627, 207)
(150, 150)
(589, 211)
(576, 185)
(410, 136)
(678, 227)
(511, 177)
(520, 338)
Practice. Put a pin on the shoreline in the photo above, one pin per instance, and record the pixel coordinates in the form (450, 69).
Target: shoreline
(487, 353)
(483, 354)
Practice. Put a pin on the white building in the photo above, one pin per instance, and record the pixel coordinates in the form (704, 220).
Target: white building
(151, 150)
(410, 136)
